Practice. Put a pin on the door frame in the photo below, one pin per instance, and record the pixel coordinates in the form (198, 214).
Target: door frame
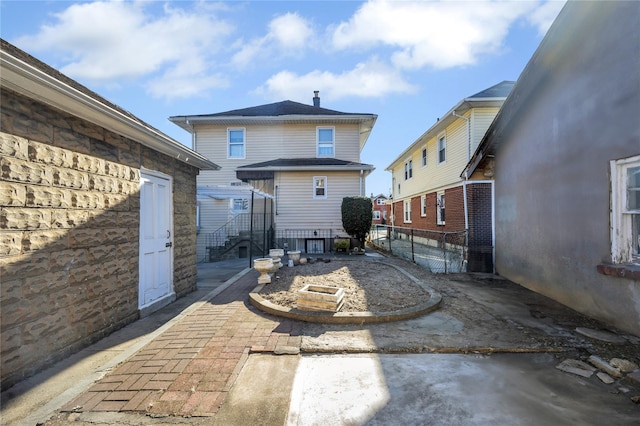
(170, 296)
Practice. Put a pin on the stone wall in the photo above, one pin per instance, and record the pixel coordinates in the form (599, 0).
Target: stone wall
(69, 229)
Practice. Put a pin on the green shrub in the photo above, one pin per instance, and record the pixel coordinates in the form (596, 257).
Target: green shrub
(341, 244)
(357, 216)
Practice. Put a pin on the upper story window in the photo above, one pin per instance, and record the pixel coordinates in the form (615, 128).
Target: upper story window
(440, 208)
(625, 210)
(319, 187)
(408, 170)
(236, 143)
(380, 201)
(442, 149)
(325, 141)
(424, 157)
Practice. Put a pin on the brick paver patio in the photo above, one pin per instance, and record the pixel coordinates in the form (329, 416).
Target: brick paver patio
(189, 369)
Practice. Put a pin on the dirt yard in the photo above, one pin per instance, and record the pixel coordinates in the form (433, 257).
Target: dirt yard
(368, 286)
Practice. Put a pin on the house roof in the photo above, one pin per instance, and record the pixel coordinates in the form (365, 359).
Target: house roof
(266, 169)
(278, 109)
(285, 112)
(493, 96)
(500, 90)
(33, 78)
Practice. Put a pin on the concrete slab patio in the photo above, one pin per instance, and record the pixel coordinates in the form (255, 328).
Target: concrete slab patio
(488, 356)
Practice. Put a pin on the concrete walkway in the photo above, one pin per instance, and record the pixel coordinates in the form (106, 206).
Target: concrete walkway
(211, 358)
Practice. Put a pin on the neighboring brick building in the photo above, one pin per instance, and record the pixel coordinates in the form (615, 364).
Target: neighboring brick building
(72, 170)
(380, 209)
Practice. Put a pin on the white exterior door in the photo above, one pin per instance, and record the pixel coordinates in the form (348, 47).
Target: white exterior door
(156, 238)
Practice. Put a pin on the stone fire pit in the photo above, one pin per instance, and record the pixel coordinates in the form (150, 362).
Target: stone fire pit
(320, 298)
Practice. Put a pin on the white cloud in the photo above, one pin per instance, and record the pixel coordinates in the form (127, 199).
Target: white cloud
(543, 16)
(439, 34)
(367, 80)
(290, 31)
(288, 35)
(109, 41)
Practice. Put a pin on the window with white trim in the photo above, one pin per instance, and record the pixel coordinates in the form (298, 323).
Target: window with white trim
(236, 143)
(424, 156)
(407, 211)
(319, 187)
(376, 215)
(380, 201)
(325, 141)
(423, 205)
(625, 210)
(442, 149)
(240, 205)
(440, 208)
(408, 169)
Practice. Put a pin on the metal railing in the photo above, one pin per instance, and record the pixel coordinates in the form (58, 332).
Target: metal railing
(256, 229)
(437, 251)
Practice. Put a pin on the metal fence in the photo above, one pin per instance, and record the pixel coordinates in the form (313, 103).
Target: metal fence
(439, 252)
(306, 240)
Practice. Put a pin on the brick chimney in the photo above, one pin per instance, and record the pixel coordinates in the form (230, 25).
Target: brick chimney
(316, 98)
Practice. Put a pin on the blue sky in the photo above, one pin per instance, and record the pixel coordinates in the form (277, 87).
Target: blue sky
(408, 62)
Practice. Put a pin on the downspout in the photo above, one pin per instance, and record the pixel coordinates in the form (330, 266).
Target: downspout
(193, 136)
(361, 182)
(466, 179)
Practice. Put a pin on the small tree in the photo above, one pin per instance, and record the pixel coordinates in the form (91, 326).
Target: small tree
(357, 216)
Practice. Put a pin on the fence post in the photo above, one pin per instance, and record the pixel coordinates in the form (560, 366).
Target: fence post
(444, 250)
(413, 256)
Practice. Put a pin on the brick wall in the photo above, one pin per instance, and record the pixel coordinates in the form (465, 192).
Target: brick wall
(454, 212)
(69, 229)
(480, 227)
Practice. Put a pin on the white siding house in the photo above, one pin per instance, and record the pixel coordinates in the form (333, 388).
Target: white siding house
(287, 165)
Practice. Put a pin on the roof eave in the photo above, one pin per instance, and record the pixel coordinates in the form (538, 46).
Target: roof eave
(460, 108)
(309, 168)
(29, 81)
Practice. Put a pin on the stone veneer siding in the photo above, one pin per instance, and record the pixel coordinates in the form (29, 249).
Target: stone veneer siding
(69, 229)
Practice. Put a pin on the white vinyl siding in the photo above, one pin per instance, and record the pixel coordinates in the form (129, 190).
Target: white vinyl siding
(297, 209)
(481, 119)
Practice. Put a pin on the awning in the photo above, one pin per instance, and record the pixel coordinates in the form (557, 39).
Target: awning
(229, 192)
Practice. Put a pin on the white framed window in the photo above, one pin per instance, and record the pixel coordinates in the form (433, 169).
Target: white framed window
(240, 205)
(325, 137)
(407, 211)
(319, 187)
(625, 210)
(440, 208)
(423, 205)
(376, 215)
(380, 201)
(408, 169)
(442, 148)
(423, 156)
(384, 214)
(236, 143)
